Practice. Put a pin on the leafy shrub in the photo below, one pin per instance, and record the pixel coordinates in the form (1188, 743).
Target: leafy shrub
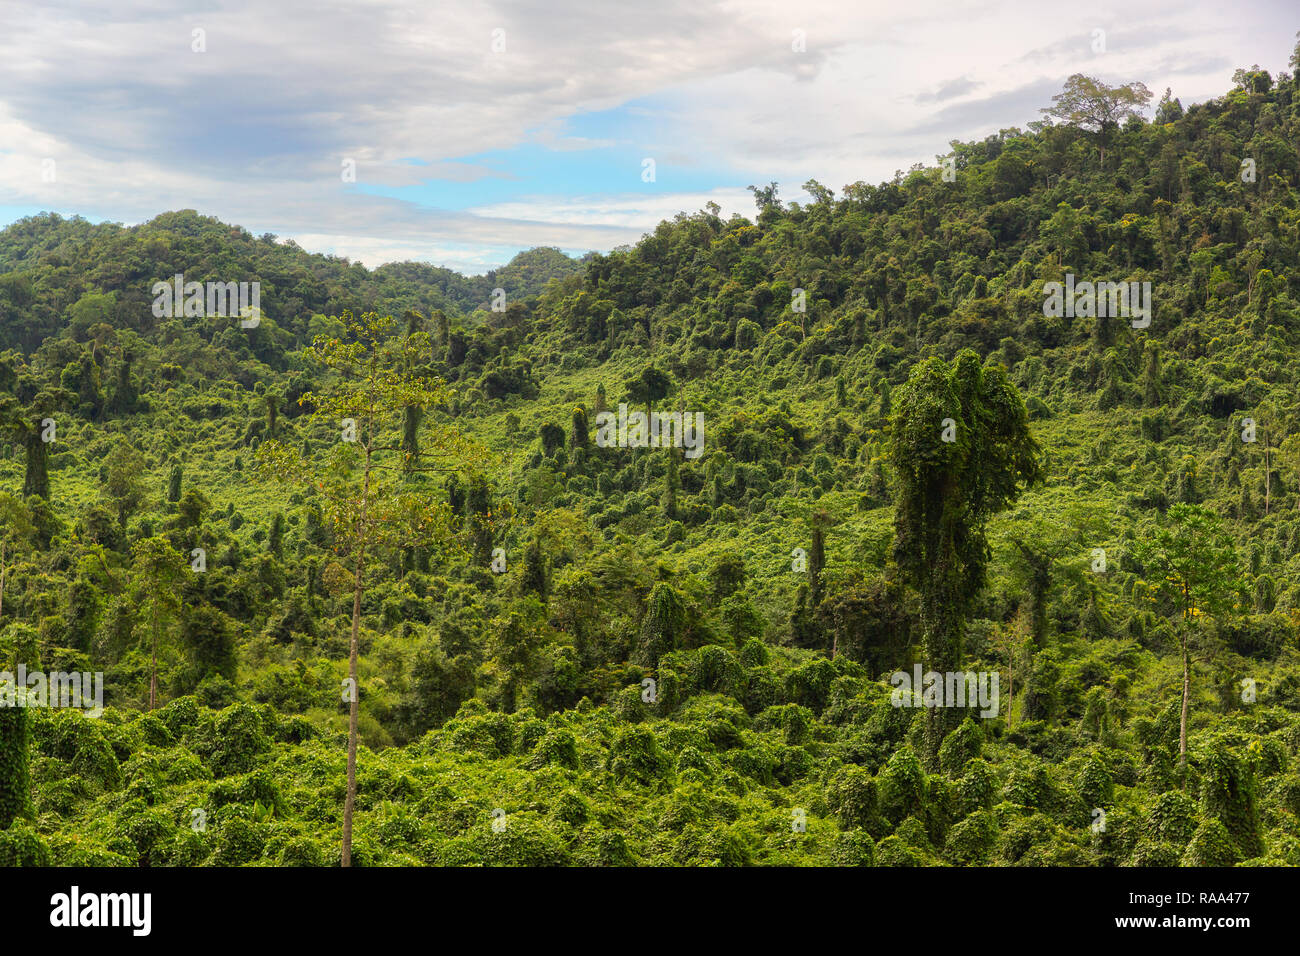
(558, 746)
(636, 755)
(69, 735)
(20, 845)
(971, 841)
(233, 740)
(301, 851)
(1172, 818)
(853, 796)
(976, 788)
(902, 785)
(238, 841)
(1229, 794)
(1096, 788)
(1211, 845)
(961, 745)
(853, 848)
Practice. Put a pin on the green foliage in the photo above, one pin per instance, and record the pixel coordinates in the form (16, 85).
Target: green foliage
(902, 785)
(1172, 819)
(961, 746)
(21, 845)
(636, 755)
(855, 798)
(1211, 845)
(1095, 784)
(977, 787)
(853, 848)
(662, 625)
(231, 742)
(971, 840)
(1229, 795)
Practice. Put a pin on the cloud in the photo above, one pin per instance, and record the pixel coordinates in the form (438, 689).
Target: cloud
(950, 90)
(1022, 102)
(628, 211)
(478, 129)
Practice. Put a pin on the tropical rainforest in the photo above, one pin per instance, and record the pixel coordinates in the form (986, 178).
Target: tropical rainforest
(365, 587)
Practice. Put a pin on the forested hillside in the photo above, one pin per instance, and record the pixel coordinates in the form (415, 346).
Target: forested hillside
(580, 653)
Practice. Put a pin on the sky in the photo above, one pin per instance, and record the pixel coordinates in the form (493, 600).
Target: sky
(460, 133)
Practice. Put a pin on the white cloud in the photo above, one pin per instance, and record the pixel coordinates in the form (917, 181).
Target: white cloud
(254, 129)
(627, 211)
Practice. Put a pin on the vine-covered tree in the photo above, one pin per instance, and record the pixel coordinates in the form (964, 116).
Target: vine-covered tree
(662, 626)
(15, 762)
(123, 482)
(651, 385)
(962, 451)
(36, 426)
(579, 433)
(16, 532)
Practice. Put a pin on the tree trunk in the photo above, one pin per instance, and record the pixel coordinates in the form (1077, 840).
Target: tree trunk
(1182, 722)
(4, 569)
(1268, 484)
(941, 653)
(1011, 687)
(353, 704)
(153, 667)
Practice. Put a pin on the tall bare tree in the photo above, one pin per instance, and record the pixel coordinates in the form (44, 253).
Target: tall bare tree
(369, 485)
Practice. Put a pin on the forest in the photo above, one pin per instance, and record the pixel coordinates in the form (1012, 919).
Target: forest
(369, 579)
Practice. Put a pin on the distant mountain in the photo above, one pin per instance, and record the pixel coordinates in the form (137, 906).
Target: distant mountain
(48, 264)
